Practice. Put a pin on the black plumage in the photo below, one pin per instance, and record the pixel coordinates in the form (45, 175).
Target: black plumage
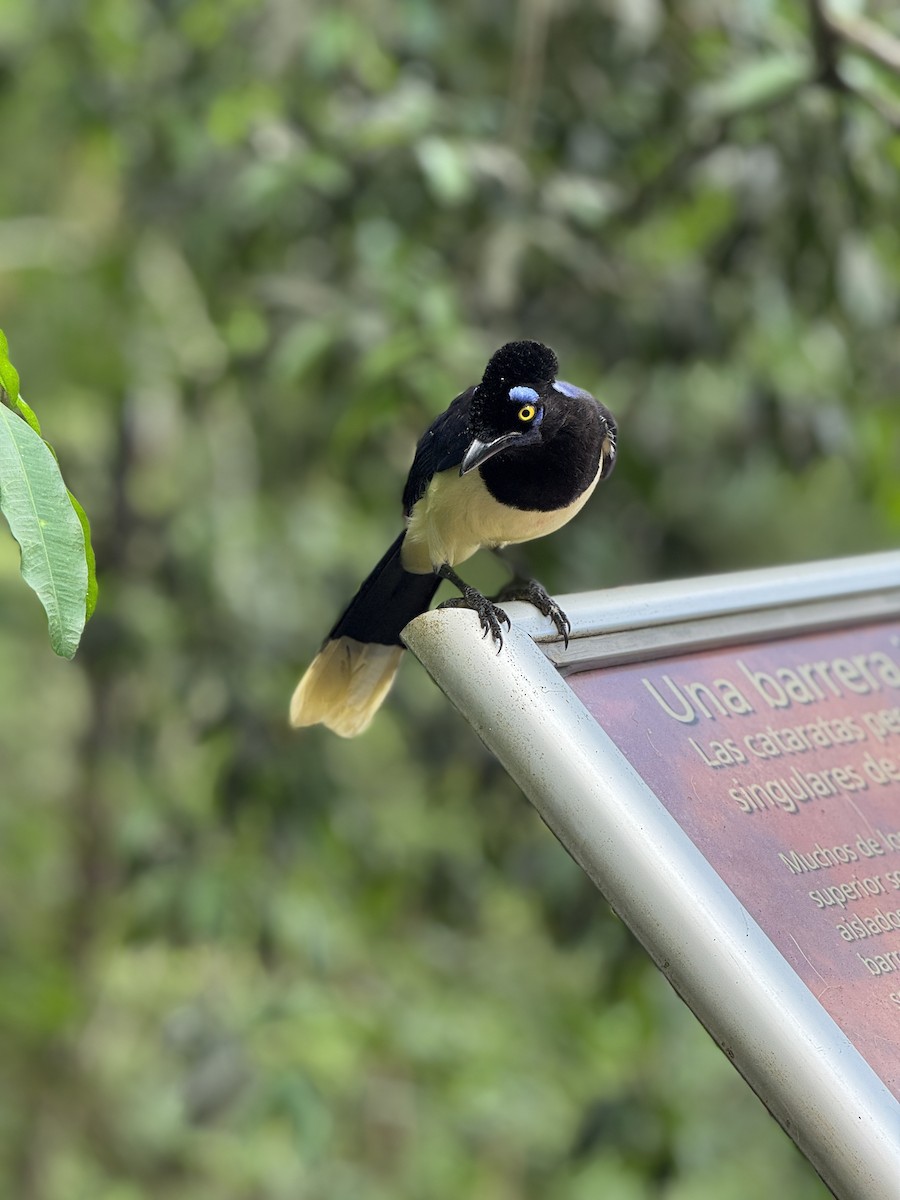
(511, 459)
(440, 448)
(553, 473)
(387, 601)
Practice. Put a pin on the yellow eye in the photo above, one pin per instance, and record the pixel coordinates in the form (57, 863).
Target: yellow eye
(526, 412)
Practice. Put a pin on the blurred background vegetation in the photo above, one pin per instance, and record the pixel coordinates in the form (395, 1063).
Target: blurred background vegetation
(248, 248)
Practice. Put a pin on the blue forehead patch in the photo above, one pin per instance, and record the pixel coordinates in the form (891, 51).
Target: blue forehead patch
(523, 395)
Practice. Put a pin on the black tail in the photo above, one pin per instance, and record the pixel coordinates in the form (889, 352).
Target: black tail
(388, 600)
(352, 673)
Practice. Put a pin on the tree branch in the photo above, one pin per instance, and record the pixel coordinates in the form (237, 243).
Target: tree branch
(831, 34)
(867, 38)
(826, 47)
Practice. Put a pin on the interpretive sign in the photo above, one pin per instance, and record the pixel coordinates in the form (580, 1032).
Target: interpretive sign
(722, 757)
(782, 764)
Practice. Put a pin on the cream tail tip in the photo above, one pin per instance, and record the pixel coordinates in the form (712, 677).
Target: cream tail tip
(345, 685)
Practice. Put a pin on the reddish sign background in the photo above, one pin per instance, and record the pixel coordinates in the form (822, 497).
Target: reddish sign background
(744, 847)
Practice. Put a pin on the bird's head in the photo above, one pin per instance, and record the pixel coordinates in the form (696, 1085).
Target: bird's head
(512, 401)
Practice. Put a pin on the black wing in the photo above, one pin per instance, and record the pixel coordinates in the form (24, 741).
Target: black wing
(441, 447)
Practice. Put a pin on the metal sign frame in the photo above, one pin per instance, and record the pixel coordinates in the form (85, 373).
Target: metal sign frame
(790, 1051)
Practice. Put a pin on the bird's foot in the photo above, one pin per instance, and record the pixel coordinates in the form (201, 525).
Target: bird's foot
(535, 594)
(491, 617)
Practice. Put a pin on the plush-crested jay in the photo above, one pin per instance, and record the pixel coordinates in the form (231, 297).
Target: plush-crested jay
(512, 459)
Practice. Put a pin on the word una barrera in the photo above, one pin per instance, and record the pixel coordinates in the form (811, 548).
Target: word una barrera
(806, 683)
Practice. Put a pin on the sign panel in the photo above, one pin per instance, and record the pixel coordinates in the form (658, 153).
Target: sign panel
(781, 762)
(722, 757)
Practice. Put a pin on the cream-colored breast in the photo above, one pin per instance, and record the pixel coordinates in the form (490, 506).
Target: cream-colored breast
(458, 515)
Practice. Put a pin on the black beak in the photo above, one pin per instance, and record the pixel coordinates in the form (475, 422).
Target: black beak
(479, 452)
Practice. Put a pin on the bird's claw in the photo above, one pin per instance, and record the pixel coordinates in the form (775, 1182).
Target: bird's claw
(561, 621)
(537, 595)
(491, 618)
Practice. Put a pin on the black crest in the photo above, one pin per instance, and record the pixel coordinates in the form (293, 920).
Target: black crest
(528, 363)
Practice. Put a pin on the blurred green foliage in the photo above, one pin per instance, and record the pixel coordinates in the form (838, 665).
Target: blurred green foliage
(248, 249)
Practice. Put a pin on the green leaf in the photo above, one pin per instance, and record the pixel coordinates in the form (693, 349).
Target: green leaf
(755, 86)
(34, 500)
(90, 559)
(30, 416)
(9, 376)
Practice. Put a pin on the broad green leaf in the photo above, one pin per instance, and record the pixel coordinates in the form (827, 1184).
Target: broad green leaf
(42, 519)
(9, 379)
